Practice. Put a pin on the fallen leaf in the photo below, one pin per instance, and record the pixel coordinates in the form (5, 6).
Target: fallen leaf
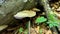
(49, 32)
(58, 9)
(58, 15)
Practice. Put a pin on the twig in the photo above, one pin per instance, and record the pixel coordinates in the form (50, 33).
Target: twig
(29, 27)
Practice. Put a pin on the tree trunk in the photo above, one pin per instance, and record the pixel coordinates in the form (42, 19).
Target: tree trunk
(11, 7)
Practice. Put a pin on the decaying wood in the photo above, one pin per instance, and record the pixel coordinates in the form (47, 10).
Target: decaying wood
(11, 7)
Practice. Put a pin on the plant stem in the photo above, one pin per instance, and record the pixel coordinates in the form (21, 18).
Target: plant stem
(29, 27)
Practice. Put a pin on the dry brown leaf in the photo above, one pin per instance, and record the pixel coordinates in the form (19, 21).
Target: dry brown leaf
(58, 9)
(37, 29)
(58, 15)
(49, 32)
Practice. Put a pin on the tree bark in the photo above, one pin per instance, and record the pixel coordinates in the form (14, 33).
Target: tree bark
(11, 7)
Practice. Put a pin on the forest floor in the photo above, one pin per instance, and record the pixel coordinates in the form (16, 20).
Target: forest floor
(34, 29)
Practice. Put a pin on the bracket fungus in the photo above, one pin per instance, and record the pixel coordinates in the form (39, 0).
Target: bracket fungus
(36, 10)
(25, 13)
(3, 27)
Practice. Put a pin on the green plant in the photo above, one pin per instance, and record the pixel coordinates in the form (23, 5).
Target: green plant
(26, 31)
(21, 30)
(40, 20)
(40, 31)
(52, 23)
(52, 20)
(26, 25)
